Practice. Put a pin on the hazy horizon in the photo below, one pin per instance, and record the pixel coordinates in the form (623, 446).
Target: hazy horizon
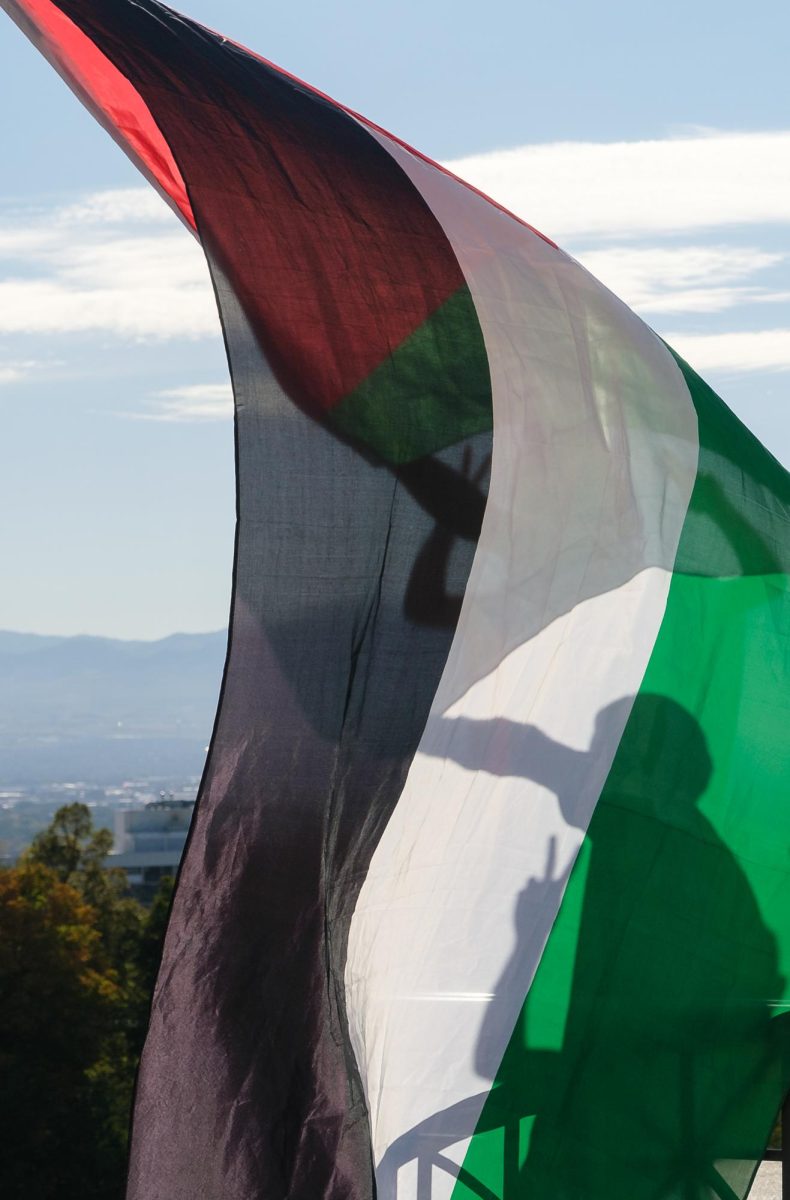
(46, 634)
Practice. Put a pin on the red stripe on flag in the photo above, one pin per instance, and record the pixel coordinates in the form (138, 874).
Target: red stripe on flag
(431, 162)
(114, 101)
(334, 254)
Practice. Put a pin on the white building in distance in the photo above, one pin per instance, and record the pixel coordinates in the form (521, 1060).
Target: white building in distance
(149, 842)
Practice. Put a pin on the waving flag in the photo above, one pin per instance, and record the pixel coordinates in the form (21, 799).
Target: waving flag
(486, 892)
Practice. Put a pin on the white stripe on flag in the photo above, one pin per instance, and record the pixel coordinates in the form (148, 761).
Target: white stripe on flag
(595, 454)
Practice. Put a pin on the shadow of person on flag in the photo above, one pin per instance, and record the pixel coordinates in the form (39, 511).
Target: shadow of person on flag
(455, 500)
(644, 1063)
(308, 761)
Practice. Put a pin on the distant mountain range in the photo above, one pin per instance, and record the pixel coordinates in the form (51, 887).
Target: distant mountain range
(100, 709)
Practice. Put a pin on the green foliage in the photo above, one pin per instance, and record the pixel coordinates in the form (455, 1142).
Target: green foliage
(148, 945)
(70, 846)
(78, 959)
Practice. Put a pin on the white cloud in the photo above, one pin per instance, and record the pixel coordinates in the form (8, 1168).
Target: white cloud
(26, 242)
(90, 218)
(623, 205)
(114, 262)
(149, 286)
(666, 279)
(156, 311)
(111, 264)
(193, 402)
(118, 206)
(619, 189)
(764, 350)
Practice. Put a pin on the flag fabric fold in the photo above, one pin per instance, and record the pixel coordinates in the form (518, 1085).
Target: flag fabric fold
(485, 894)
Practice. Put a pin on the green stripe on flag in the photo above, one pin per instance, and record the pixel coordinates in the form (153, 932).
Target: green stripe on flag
(431, 392)
(657, 1072)
(739, 518)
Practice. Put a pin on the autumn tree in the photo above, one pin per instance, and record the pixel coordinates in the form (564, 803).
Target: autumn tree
(78, 959)
(76, 851)
(58, 1005)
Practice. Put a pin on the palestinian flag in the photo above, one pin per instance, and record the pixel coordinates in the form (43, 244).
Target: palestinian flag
(487, 889)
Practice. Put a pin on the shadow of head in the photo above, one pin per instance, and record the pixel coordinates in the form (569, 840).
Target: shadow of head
(662, 763)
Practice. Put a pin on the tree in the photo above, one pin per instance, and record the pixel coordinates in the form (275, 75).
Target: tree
(70, 846)
(58, 1005)
(78, 959)
(148, 950)
(76, 852)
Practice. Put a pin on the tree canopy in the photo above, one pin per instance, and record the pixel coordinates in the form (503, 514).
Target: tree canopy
(78, 960)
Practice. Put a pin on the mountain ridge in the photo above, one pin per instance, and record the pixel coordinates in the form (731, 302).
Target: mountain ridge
(95, 705)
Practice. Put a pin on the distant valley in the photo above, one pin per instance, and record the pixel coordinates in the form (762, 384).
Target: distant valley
(101, 709)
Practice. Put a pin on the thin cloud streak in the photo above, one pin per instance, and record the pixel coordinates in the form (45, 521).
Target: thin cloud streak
(666, 279)
(763, 350)
(707, 300)
(15, 372)
(118, 206)
(10, 375)
(197, 402)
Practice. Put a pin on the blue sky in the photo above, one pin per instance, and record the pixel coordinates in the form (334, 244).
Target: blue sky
(654, 144)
